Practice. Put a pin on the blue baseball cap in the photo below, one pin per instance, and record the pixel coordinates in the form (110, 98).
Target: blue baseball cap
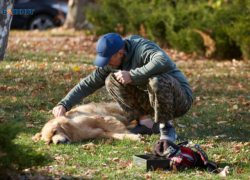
(107, 46)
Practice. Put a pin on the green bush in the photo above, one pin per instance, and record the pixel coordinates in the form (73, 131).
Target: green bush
(238, 28)
(171, 23)
(16, 157)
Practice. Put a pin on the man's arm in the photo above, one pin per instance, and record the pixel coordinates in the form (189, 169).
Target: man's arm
(154, 63)
(157, 62)
(83, 89)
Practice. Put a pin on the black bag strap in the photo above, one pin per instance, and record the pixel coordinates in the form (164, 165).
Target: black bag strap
(183, 144)
(202, 153)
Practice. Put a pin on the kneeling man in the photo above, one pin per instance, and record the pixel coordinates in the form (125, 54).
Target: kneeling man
(142, 78)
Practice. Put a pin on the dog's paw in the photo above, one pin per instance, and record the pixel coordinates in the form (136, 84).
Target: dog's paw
(138, 137)
(37, 137)
(141, 138)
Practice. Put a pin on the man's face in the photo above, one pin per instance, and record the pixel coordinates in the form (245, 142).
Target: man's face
(116, 60)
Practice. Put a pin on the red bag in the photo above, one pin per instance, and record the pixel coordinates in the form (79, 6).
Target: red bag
(184, 157)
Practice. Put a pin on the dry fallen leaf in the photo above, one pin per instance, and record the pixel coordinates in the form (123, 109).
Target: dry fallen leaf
(221, 122)
(246, 143)
(116, 159)
(159, 169)
(3, 154)
(164, 175)
(89, 145)
(105, 177)
(127, 164)
(147, 150)
(76, 69)
(224, 172)
(61, 53)
(93, 153)
(218, 136)
(109, 141)
(104, 164)
(207, 145)
(114, 152)
(182, 126)
(52, 99)
(29, 125)
(239, 170)
(147, 176)
(42, 66)
(199, 172)
(13, 99)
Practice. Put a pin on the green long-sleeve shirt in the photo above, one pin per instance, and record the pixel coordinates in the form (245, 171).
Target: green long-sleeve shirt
(143, 59)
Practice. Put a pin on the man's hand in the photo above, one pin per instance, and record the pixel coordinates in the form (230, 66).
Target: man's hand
(59, 111)
(123, 77)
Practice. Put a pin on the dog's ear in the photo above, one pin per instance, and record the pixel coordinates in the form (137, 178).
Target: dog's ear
(68, 129)
(38, 136)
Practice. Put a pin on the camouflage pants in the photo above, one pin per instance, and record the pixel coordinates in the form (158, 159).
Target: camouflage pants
(166, 98)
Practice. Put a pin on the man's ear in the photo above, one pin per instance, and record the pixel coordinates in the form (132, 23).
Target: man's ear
(121, 52)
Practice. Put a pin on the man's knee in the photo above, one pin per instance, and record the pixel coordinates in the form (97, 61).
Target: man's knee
(159, 82)
(155, 83)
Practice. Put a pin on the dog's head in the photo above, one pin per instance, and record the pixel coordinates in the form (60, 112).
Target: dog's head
(55, 131)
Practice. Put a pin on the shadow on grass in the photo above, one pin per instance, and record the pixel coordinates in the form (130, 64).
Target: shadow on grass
(16, 157)
(40, 57)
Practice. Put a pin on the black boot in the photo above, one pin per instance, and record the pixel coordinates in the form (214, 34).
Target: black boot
(168, 132)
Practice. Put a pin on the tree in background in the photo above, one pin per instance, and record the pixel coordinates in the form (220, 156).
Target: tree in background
(76, 14)
(5, 21)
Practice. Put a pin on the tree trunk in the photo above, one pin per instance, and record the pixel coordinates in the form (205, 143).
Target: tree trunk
(76, 15)
(5, 21)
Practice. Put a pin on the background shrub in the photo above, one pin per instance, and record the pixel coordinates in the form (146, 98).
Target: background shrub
(13, 157)
(171, 23)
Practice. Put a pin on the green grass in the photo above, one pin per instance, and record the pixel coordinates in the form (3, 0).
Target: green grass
(34, 78)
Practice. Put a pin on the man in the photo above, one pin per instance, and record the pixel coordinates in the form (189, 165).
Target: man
(142, 78)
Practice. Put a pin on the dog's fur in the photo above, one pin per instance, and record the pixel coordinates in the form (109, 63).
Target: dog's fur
(94, 120)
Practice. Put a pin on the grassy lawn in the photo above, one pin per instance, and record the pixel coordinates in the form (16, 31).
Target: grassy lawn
(39, 70)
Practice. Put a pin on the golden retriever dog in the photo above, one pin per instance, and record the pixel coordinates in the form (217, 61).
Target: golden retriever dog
(93, 120)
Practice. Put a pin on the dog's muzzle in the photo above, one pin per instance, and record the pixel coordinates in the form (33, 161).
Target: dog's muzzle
(63, 141)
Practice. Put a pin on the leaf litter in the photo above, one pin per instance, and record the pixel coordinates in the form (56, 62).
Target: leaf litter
(196, 71)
